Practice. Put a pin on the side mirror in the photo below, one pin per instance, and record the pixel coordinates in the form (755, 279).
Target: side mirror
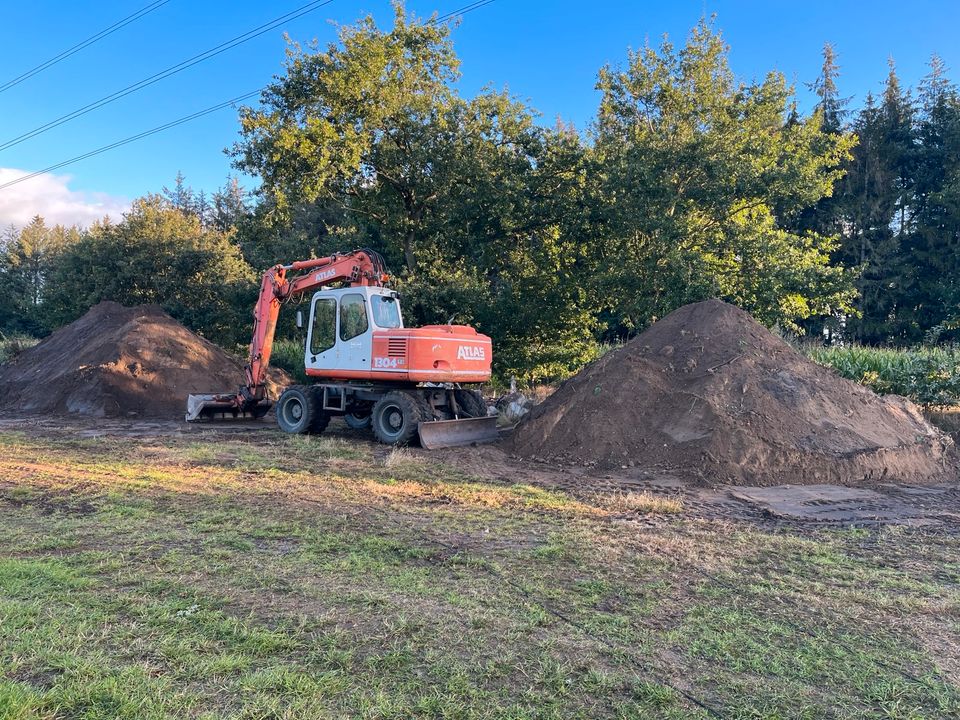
(299, 320)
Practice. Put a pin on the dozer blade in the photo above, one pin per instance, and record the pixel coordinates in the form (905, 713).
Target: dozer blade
(222, 406)
(452, 433)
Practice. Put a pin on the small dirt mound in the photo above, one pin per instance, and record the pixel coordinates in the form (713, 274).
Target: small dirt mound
(712, 393)
(118, 362)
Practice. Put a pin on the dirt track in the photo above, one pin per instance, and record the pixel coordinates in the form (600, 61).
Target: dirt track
(931, 506)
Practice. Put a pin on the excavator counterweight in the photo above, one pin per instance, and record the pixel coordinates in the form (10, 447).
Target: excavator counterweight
(403, 383)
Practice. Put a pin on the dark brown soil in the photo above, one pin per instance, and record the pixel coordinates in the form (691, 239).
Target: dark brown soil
(711, 393)
(118, 362)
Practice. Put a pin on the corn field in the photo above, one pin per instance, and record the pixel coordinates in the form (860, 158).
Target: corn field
(929, 376)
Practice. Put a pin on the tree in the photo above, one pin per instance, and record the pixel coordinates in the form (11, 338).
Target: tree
(26, 258)
(366, 111)
(181, 197)
(700, 177)
(933, 248)
(229, 206)
(831, 106)
(158, 254)
(825, 217)
(875, 196)
(367, 143)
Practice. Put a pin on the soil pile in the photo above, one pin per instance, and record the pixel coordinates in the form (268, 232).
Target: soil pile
(710, 392)
(118, 362)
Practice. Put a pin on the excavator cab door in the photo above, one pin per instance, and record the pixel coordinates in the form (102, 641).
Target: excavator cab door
(321, 345)
(354, 333)
(341, 333)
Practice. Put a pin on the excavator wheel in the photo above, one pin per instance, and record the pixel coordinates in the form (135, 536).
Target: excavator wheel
(396, 417)
(298, 410)
(320, 418)
(471, 403)
(358, 421)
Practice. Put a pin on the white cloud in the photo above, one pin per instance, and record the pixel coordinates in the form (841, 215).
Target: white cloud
(47, 195)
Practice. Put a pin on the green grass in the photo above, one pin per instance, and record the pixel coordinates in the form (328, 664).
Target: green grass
(929, 375)
(13, 345)
(268, 576)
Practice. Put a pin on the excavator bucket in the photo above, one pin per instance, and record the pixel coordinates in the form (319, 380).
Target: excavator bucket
(222, 406)
(453, 433)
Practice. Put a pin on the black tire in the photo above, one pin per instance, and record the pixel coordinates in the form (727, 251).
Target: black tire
(396, 416)
(296, 410)
(471, 403)
(321, 418)
(358, 421)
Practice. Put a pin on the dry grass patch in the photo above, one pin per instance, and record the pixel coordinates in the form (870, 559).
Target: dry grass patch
(640, 502)
(476, 495)
(403, 459)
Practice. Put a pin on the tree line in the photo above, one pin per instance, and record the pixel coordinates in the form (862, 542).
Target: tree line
(554, 240)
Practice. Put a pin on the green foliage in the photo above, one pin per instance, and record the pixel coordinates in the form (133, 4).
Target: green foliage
(475, 206)
(698, 174)
(26, 259)
(157, 254)
(13, 345)
(288, 356)
(690, 184)
(899, 207)
(929, 375)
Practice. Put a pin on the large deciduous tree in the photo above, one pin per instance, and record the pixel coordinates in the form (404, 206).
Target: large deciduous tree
(478, 206)
(701, 178)
(362, 118)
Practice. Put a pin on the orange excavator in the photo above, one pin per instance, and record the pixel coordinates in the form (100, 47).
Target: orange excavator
(404, 383)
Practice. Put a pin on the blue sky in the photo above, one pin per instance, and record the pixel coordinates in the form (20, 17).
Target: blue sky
(545, 52)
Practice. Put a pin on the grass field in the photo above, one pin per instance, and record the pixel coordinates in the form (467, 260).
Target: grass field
(265, 576)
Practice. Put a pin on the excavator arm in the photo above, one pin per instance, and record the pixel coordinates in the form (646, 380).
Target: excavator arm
(280, 284)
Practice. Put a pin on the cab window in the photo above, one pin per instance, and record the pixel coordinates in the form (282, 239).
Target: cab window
(323, 333)
(353, 316)
(386, 311)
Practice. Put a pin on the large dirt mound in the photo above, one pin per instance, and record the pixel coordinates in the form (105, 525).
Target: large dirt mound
(118, 361)
(710, 392)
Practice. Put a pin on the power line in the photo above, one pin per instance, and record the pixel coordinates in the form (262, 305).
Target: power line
(83, 44)
(463, 11)
(172, 70)
(187, 118)
(132, 138)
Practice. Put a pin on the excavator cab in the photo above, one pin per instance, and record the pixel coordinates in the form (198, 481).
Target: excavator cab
(341, 327)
